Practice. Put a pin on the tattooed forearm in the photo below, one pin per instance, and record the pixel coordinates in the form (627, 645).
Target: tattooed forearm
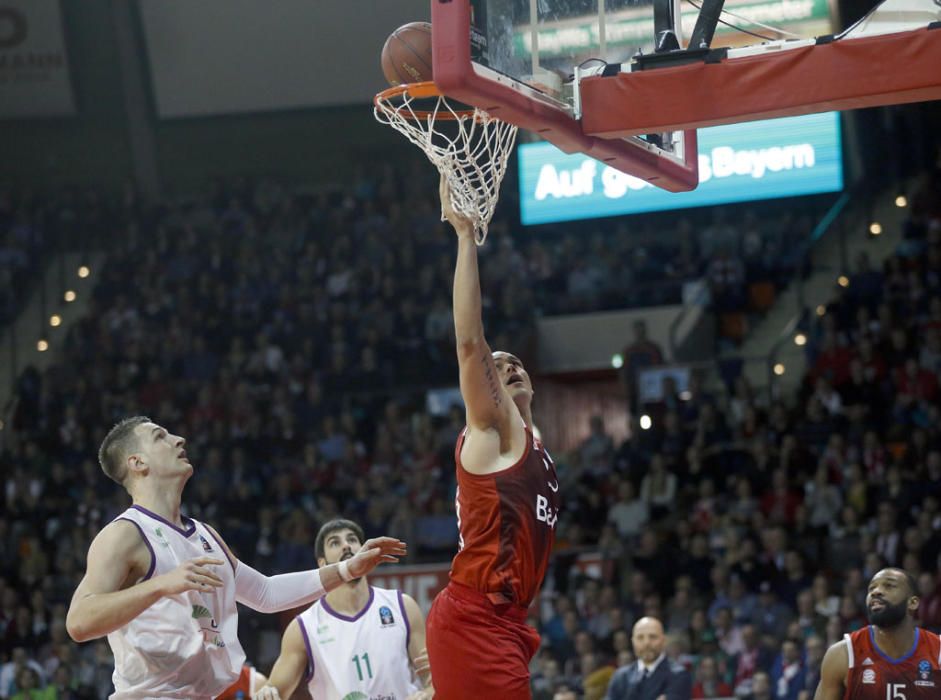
(492, 384)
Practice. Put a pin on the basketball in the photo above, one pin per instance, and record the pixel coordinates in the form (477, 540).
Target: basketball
(406, 55)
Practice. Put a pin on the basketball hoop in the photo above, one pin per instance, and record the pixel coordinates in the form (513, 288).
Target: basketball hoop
(468, 146)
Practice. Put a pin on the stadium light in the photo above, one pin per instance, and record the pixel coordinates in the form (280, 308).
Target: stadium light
(69, 295)
(42, 345)
(875, 228)
(617, 361)
(779, 369)
(843, 281)
(83, 271)
(821, 310)
(55, 320)
(901, 201)
(645, 422)
(800, 340)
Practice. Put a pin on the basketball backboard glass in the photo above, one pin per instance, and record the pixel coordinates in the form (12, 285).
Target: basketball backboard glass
(540, 43)
(519, 60)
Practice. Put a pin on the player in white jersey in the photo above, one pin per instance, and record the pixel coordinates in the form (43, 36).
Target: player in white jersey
(358, 642)
(163, 587)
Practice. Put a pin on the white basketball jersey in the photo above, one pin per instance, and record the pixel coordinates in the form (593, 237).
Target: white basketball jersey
(359, 658)
(186, 645)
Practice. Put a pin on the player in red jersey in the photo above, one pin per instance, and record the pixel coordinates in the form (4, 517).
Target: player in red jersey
(479, 644)
(890, 659)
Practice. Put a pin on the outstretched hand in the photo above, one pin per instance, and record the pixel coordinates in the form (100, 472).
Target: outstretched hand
(269, 692)
(374, 552)
(462, 225)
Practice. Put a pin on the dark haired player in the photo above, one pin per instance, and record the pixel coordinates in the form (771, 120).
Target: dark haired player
(358, 641)
(891, 658)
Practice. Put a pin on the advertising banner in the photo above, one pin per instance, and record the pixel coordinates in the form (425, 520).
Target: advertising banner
(737, 163)
(34, 67)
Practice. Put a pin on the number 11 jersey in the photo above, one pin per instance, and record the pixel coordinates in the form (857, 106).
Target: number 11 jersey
(363, 657)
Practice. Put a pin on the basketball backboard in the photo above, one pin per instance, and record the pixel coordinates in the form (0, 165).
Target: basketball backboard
(520, 60)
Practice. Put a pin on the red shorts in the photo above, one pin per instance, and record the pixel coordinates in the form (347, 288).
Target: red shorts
(478, 649)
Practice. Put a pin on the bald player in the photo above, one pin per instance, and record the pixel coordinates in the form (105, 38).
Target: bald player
(891, 658)
(653, 676)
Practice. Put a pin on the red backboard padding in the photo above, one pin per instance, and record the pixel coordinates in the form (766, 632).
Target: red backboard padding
(845, 74)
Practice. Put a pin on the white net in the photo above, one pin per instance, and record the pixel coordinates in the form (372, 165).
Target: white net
(468, 147)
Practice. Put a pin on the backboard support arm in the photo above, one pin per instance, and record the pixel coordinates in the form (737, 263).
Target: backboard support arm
(706, 23)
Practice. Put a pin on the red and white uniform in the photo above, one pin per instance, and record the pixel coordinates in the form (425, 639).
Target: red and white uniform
(873, 675)
(479, 643)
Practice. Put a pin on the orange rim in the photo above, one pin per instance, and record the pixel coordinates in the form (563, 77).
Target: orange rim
(423, 91)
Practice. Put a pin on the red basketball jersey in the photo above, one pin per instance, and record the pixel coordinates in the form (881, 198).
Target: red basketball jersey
(506, 522)
(874, 676)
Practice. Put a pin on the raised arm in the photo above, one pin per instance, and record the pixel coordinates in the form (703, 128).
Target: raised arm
(111, 593)
(290, 667)
(833, 672)
(488, 405)
(269, 594)
(417, 652)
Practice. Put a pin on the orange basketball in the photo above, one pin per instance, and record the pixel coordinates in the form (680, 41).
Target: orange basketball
(406, 55)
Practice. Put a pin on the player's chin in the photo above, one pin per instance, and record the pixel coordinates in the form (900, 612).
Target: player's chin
(520, 390)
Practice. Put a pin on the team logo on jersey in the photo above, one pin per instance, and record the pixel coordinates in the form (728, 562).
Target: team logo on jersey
(210, 632)
(161, 537)
(206, 546)
(869, 676)
(924, 673)
(385, 616)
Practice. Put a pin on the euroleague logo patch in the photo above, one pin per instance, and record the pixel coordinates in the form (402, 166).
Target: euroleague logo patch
(869, 676)
(385, 616)
(924, 673)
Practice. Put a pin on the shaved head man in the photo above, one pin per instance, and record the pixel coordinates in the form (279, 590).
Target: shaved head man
(652, 676)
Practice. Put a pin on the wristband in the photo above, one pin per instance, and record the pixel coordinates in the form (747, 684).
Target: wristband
(343, 568)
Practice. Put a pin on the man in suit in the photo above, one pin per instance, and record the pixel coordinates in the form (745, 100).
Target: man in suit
(652, 676)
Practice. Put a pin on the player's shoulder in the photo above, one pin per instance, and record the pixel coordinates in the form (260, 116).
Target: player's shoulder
(839, 654)
(122, 532)
(932, 639)
(121, 539)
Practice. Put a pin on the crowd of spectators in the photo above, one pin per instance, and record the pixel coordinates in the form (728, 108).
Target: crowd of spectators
(33, 225)
(289, 336)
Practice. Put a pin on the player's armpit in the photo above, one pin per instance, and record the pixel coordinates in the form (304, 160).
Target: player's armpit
(833, 672)
(291, 665)
(487, 403)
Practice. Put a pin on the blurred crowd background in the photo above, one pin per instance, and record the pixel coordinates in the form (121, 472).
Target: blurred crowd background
(291, 336)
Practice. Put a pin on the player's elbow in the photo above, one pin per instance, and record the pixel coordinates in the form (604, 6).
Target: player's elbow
(77, 629)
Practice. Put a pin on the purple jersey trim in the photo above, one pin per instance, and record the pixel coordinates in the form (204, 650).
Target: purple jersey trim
(188, 532)
(153, 557)
(310, 653)
(347, 618)
(221, 546)
(408, 625)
